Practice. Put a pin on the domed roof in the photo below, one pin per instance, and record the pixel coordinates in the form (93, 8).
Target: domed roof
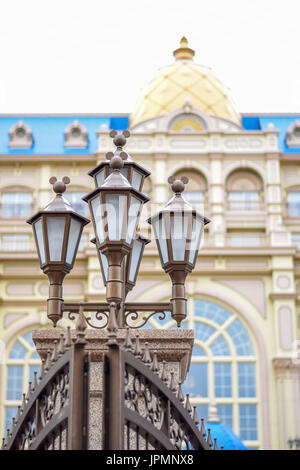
(225, 436)
(184, 80)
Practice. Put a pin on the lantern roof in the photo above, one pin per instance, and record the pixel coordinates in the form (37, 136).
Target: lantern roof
(58, 203)
(178, 203)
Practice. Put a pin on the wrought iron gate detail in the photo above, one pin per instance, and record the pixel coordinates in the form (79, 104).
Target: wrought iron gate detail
(53, 415)
(144, 409)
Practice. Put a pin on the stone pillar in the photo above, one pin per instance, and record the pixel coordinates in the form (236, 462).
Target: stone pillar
(172, 346)
(217, 200)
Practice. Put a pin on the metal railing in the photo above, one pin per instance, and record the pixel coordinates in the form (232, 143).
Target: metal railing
(245, 206)
(246, 240)
(54, 412)
(143, 409)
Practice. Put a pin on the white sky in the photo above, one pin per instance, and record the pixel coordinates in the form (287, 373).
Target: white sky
(94, 56)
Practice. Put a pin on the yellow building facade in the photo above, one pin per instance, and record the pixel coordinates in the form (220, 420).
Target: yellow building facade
(243, 296)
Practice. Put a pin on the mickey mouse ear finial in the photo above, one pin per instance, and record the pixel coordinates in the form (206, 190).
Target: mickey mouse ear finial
(59, 187)
(178, 185)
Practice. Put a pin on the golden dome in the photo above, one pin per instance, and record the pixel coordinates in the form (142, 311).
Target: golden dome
(183, 81)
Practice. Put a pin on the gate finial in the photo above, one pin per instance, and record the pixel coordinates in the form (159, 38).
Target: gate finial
(80, 326)
(146, 357)
(138, 349)
(154, 366)
(128, 343)
(112, 326)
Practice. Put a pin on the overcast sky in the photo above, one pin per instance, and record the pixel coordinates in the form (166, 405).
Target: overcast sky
(95, 56)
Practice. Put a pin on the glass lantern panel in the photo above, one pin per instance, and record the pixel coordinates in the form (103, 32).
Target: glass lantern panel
(133, 218)
(56, 231)
(116, 210)
(195, 239)
(135, 258)
(179, 227)
(98, 220)
(100, 178)
(161, 239)
(104, 264)
(136, 179)
(40, 240)
(74, 234)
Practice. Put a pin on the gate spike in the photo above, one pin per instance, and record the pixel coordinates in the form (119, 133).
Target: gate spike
(154, 366)
(68, 339)
(35, 382)
(202, 429)
(146, 357)
(3, 443)
(7, 436)
(128, 346)
(222, 448)
(164, 373)
(18, 413)
(188, 404)
(215, 444)
(48, 361)
(42, 372)
(61, 345)
(209, 440)
(137, 349)
(172, 385)
(54, 352)
(28, 392)
(13, 424)
(195, 417)
(23, 402)
(179, 393)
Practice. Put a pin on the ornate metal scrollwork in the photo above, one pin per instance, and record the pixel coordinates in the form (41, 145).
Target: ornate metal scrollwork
(134, 315)
(99, 315)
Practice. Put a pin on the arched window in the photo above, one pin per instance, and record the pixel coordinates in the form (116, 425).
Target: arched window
(293, 135)
(21, 362)
(244, 191)
(223, 367)
(76, 135)
(20, 136)
(196, 190)
(187, 122)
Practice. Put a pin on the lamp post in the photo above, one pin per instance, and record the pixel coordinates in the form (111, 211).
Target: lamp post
(115, 207)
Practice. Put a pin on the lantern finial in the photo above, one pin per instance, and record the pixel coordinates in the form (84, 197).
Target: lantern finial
(59, 187)
(178, 185)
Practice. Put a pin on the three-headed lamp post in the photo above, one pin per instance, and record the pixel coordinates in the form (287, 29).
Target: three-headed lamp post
(115, 206)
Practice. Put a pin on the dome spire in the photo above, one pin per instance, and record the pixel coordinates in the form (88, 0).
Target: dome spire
(184, 52)
(213, 416)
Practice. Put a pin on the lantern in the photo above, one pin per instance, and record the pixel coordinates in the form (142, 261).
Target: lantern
(115, 209)
(57, 231)
(178, 229)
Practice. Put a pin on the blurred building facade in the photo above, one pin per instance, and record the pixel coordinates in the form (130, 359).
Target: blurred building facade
(244, 294)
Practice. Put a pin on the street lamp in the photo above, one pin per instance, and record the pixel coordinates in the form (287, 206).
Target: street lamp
(178, 229)
(115, 209)
(57, 231)
(133, 172)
